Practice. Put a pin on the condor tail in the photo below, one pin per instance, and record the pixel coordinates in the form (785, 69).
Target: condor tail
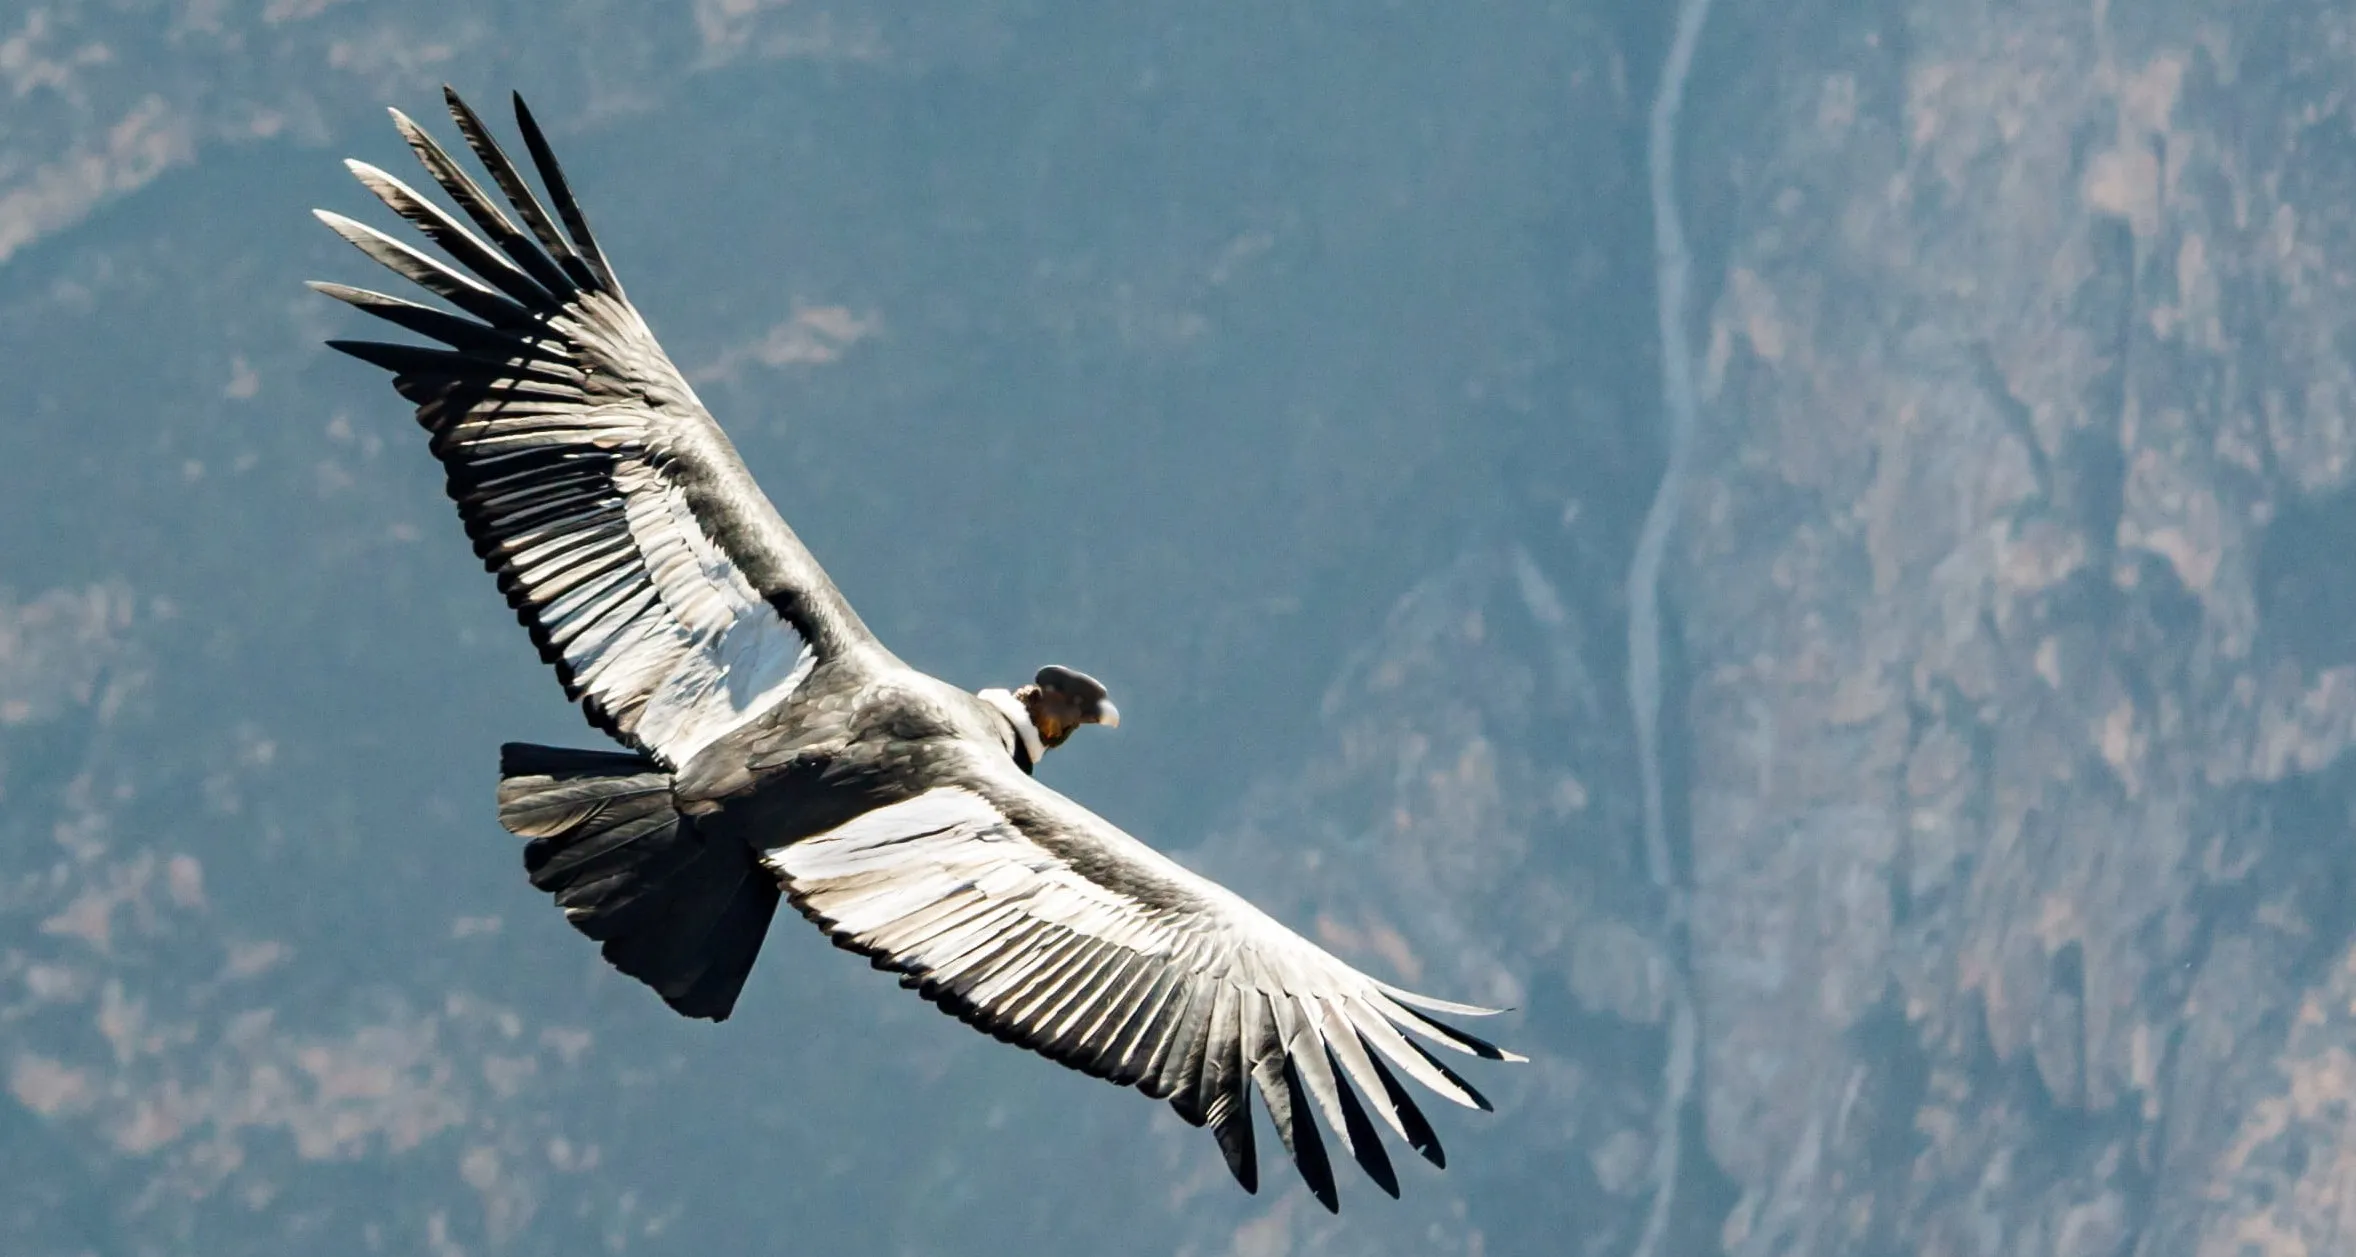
(684, 915)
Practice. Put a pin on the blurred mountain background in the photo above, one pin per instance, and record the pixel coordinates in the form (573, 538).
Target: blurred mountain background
(1291, 368)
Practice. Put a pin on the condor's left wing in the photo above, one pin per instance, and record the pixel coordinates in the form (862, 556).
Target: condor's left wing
(670, 596)
(1029, 917)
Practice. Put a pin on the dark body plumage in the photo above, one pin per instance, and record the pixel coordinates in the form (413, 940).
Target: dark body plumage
(777, 749)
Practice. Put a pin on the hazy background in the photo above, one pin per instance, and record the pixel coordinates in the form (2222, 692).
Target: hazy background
(1292, 369)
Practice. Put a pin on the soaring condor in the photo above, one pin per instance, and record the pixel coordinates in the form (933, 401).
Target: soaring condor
(774, 748)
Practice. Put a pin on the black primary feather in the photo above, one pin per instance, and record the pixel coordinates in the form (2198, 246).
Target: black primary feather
(519, 193)
(552, 175)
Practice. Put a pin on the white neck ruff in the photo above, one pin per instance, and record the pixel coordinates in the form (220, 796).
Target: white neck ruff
(1019, 718)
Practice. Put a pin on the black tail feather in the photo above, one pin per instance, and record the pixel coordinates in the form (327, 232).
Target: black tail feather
(682, 914)
(747, 915)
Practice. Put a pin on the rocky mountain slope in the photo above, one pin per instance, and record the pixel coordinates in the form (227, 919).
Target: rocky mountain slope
(1293, 371)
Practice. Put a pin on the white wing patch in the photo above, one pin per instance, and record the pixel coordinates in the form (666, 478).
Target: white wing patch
(1134, 970)
(950, 844)
(644, 612)
(722, 654)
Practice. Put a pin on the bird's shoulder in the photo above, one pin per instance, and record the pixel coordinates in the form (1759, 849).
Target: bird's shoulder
(877, 718)
(904, 705)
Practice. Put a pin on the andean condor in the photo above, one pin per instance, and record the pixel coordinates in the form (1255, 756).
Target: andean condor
(775, 747)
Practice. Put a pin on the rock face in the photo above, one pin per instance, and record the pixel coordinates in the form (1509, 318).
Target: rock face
(1180, 348)
(2021, 689)
(1289, 368)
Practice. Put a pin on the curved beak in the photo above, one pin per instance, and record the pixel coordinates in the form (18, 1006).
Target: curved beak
(1108, 715)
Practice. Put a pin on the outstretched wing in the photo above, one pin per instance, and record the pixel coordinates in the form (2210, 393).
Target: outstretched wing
(1027, 916)
(672, 599)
